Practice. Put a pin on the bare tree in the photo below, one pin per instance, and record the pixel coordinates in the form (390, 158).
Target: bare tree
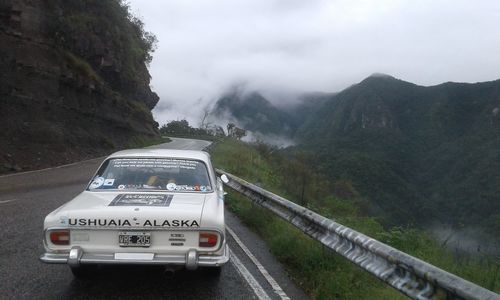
(230, 128)
(205, 124)
(238, 133)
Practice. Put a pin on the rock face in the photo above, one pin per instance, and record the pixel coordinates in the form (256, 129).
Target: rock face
(62, 98)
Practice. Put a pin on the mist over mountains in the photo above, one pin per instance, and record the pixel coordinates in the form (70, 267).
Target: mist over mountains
(251, 110)
(418, 153)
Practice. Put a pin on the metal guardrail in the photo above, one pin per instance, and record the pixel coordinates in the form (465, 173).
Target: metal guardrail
(407, 274)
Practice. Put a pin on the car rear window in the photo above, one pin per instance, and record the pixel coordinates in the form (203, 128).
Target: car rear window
(167, 174)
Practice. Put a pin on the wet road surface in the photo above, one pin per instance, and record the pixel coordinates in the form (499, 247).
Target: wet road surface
(26, 198)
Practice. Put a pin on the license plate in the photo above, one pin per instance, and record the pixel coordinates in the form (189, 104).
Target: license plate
(134, 239)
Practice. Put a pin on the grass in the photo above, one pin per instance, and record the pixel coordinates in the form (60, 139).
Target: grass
(319, 271)
(81, 67)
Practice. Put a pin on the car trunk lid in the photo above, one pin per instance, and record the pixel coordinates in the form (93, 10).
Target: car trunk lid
(129, 210)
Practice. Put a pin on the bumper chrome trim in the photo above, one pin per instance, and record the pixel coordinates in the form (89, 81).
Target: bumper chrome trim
(75, 254)
(191, 260)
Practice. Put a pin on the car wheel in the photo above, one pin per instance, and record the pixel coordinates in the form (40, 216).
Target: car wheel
(83, 272)
(212, 271)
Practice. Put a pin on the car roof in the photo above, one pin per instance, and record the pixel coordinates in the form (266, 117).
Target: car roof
(170, 153)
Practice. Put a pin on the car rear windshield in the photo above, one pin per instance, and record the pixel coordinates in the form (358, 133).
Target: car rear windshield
(168, 174)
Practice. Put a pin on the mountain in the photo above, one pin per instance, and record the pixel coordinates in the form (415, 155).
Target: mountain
(73, 81)
(418, 153)
(252, 111)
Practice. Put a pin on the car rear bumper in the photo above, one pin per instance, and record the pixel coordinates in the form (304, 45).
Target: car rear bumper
(191, 260)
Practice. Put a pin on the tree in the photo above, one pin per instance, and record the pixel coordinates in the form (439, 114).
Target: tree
(182, 127)
(177, 127)
(235, 132)
(238, 133)
(205, 123)
(230, 128)
(216, 130)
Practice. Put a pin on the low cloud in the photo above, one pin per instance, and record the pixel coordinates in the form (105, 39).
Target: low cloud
(284, 47)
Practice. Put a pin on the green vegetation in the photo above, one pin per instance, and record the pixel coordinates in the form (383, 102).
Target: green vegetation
(184, 130)
(319, 271)
(254, 113)
(420, 155)
(108, 36)
(81, 67)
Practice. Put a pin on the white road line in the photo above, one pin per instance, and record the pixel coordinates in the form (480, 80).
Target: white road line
(254, 284)
(7, 201)
(82, 161)
(51, 168)
(277, 289)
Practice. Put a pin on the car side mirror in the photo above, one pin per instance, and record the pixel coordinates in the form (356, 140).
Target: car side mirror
(224, 178)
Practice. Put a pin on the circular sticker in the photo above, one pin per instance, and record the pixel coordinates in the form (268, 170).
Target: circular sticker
(203, 188)
(121, 187)
(171, 186)
(97, 183)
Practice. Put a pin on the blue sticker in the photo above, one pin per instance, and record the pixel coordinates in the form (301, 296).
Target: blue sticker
(63, 220)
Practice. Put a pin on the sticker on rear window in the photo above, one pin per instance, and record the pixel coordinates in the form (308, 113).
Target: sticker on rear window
(96, 183)
(142, 200)
(109, 182)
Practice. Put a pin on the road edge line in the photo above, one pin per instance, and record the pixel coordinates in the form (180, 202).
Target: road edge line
(276, 287)
(7, 201)
(254, 284)
(51, 168)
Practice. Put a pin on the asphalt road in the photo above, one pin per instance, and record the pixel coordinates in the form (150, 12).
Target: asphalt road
(26, 198)
(184, 144)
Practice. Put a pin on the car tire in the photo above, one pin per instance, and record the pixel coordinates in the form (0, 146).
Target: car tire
(212, 271)
(83, 272)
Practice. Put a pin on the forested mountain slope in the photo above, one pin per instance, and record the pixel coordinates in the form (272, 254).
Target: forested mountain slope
(418, 153)
(252, 111)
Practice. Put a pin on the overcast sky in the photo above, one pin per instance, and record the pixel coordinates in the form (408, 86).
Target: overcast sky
(292, 46)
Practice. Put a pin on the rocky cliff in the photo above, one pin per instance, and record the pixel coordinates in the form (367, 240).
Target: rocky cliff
(73, 81)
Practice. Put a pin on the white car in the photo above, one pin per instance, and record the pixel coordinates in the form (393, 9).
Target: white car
(146, 206)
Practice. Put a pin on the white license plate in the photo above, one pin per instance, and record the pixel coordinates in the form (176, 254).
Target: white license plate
(134, 239)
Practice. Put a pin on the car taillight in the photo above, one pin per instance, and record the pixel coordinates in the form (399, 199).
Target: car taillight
(59, 237)
(208, 239)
